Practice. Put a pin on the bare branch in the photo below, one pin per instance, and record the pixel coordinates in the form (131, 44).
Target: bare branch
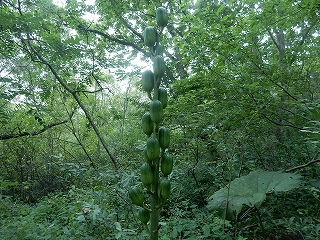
(116, 40)
(282, 124)
(87, 91)
(22, 134)
(72, 129)
(305, 34)
(131, 28)
(99, 83)
(314, 160)
(273, 39)
(288, 124)
(277, 84)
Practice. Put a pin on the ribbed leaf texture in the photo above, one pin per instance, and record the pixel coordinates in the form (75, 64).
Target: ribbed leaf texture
(252, 190)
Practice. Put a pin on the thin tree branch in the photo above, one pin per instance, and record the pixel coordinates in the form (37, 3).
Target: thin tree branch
(273, 39)
(87, 91)
(288, 123)
(79, 102)
(72, 128)
(132, 29)
(314, 160)
(304, 36)
(99, 83)
(13, 6)
(274, 122)
(116, 40)
(22, 134)
(278, 85)
(282, 124)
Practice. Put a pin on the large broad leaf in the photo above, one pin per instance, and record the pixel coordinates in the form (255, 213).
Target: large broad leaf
(252, 190)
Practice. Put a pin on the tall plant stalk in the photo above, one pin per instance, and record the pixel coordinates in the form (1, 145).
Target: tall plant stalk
(158, 161)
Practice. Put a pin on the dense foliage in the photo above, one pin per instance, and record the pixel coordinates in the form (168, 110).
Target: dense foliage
(243, 97)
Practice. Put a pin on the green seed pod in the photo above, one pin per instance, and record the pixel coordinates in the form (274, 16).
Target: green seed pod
(147, 81)
(164, 137)
(162, 17)
(153, 148)
(163, 97)
(146, 174)
(144, 215)
(146, 158)
(147, 124)
(159, 49)
(164, 188)
(136, 195)
(150, 36)
(159, 66)
(156, 111)
(166, 164)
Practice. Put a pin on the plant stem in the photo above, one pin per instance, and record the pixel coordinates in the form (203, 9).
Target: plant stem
(155, 211)
(260, 221)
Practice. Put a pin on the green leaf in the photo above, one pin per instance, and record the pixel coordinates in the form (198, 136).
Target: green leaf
(251, 190)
